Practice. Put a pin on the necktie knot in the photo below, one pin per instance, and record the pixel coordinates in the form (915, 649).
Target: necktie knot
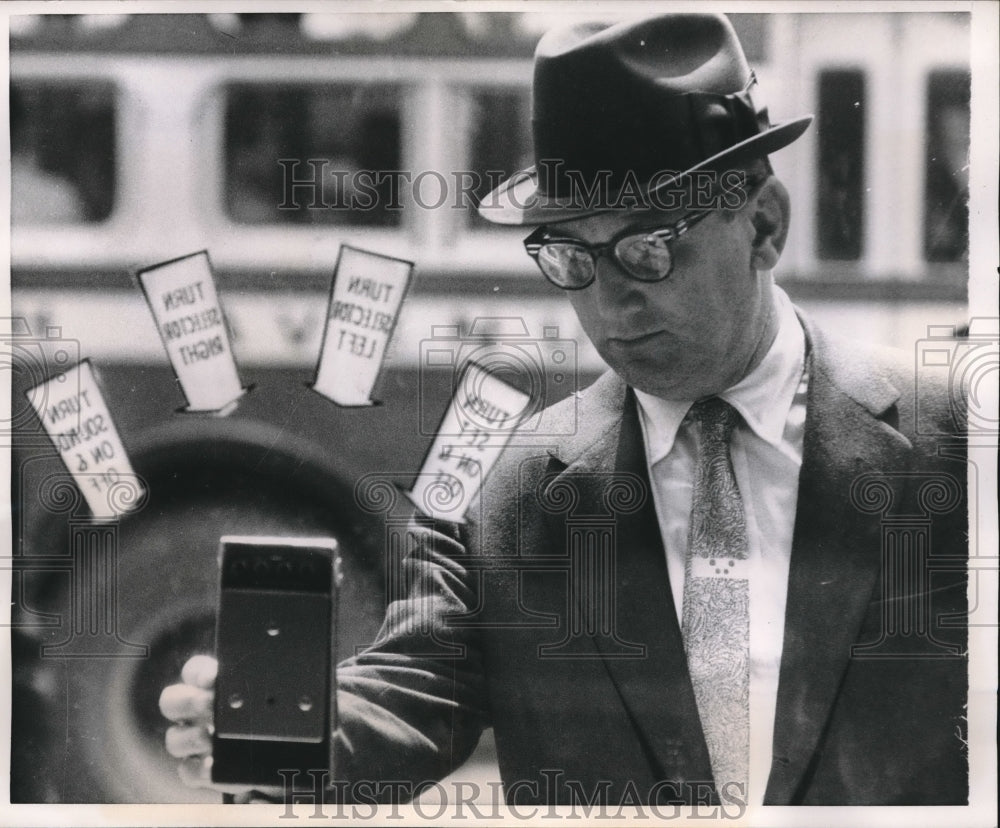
(716, 419)
(718, 524)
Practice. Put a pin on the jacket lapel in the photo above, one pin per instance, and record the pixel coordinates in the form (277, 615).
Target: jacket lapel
(652, 682)
(835, 550)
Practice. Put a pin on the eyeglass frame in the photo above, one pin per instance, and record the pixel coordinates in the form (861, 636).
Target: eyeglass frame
(541, 236)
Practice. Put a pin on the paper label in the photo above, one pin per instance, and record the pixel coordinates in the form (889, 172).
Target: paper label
(368, 290)
(183, 299)
(76, 418)
(482, 416)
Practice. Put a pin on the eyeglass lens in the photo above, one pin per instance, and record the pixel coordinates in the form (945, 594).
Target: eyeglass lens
(645, 257)
(566, 264)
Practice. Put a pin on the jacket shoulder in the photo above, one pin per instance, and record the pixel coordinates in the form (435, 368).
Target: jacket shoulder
(542, 446)
(929, 399)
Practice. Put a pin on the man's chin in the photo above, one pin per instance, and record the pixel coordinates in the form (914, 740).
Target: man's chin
(691, 385)
(663, 368)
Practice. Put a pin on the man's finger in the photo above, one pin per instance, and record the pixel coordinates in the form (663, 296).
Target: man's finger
(183, 702)
(187, 740)
(195, 772)
(200, 670)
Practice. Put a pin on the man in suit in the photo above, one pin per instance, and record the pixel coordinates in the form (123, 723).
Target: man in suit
(736, 577)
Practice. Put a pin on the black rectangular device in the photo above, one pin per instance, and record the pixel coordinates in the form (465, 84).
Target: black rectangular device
(275, 694)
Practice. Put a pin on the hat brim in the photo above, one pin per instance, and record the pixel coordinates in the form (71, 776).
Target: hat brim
(517, 200)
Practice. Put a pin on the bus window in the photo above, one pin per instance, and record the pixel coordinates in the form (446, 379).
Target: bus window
(840, 193)
(62, 152)
(500, 140)
(946, 189)
(311, 154)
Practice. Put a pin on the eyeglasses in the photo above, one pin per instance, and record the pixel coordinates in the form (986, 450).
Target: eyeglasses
(645, 255)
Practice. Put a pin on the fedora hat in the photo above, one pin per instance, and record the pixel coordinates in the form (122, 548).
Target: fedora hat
(640, 104)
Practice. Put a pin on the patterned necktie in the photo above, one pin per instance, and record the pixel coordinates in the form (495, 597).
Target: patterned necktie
(716, 614)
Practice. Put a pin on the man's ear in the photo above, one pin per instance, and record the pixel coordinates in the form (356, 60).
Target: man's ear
(770, 211)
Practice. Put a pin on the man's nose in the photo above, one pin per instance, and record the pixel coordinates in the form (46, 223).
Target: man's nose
(615, 288)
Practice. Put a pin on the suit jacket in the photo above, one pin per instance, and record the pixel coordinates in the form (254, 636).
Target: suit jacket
(549, 616)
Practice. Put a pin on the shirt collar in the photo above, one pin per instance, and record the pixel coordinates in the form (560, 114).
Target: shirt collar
(763, 397)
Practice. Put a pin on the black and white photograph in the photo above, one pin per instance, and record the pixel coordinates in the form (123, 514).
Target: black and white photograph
(513, 413)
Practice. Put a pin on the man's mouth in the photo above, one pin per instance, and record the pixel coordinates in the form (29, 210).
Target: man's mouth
(633, 338)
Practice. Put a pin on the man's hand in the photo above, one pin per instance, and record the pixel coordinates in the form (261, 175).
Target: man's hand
(189, 706)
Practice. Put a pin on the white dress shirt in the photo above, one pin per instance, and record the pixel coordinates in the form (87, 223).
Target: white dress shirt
(767, 455)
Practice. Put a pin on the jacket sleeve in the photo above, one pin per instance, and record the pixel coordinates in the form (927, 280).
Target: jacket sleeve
(411, 707)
